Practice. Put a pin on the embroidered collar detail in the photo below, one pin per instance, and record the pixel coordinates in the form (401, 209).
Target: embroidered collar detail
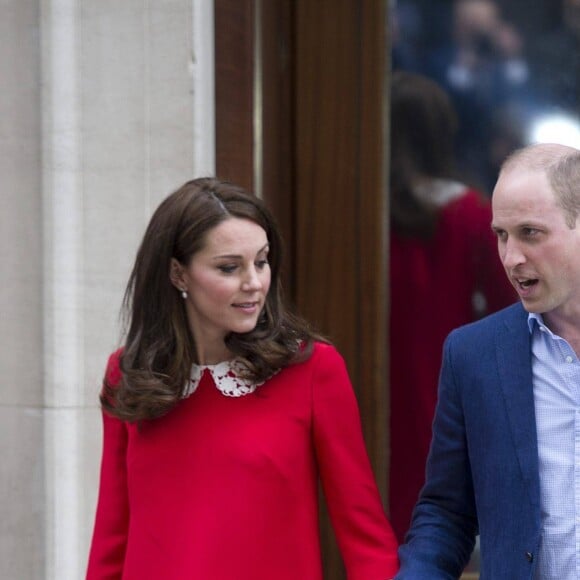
(226, 377)
(439, 192)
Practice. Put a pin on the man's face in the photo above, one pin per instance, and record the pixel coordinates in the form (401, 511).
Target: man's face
(540, 253)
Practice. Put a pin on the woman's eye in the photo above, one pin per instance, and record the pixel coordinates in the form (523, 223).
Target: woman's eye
(261, 264)
(227, 268)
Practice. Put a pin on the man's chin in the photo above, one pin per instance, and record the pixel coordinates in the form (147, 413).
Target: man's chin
(532, 307)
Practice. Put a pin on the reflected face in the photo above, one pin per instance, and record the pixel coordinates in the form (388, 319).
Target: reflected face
(538, 250)
(227, 281)
(475, 17)
(572, 14)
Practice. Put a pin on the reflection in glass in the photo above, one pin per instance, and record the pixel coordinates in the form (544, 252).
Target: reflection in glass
(512, 71)
(506, 64)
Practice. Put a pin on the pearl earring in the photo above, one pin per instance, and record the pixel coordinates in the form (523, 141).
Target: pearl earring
(184, 294)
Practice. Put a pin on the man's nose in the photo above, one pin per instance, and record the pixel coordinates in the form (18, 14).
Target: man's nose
(512, 255)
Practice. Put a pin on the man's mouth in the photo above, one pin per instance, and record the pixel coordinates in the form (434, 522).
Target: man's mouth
(526, 283)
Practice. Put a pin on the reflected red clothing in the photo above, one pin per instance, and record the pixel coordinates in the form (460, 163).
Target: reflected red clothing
(432, 288)
(226, 488)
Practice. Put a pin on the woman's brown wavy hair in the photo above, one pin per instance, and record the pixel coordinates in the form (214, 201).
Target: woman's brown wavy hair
(159, 348)
(423, 128)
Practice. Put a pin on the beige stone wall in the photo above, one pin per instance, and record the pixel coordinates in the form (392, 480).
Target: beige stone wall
(22, 470)
(105, 107)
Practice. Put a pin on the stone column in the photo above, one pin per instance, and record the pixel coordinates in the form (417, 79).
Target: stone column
(22, 472)
(106, 107)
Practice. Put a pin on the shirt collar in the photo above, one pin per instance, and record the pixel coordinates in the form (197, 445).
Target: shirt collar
(537, 320)
(533, 319)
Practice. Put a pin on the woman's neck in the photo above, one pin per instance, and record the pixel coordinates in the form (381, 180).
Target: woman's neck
(211, 355)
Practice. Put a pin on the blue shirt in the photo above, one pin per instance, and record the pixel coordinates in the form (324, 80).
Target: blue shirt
(556, 384)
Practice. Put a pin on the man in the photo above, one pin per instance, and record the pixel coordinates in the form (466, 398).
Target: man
(505, 457)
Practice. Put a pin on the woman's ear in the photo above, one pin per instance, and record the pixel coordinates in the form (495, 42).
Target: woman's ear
(176, 274)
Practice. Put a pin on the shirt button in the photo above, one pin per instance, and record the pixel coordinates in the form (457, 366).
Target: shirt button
(568, 359)
(529, 557)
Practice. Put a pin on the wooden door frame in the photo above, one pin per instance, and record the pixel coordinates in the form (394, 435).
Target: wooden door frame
(309, 133)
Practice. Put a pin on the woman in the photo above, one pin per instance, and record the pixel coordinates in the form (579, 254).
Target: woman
(444, 272)
(223, 410)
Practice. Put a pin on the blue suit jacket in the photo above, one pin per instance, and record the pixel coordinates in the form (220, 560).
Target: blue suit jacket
(482, 471)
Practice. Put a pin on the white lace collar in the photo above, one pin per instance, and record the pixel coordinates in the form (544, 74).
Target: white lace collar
(227, 377)
(439, 192)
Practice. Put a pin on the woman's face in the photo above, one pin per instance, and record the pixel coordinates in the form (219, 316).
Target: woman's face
(227, 282)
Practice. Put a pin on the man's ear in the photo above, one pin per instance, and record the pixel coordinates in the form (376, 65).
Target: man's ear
(176, 274)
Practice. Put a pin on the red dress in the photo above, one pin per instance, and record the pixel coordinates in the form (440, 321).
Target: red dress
(432, 288)
(226, 488)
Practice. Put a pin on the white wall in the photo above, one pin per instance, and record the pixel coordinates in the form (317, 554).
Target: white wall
(106, 107)
(22, 470)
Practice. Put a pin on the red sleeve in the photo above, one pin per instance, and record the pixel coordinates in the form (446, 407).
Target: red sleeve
(490, 275)
(366, 540)
(107, 551)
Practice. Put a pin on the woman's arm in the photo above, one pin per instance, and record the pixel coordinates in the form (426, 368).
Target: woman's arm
(109, 541)
(366, 540)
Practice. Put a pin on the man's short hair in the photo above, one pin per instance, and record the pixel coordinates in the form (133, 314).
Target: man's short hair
(561, 165)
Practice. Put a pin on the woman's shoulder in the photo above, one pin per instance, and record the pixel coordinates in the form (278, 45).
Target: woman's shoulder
(472, 201)
(324, 350)
(325, 373)
(323, 354)
(469, 215)
(113, 371)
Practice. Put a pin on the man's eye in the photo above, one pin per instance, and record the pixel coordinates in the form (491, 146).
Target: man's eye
(529, 232)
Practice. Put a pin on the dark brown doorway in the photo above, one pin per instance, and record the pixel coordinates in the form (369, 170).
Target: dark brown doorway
(314, 118)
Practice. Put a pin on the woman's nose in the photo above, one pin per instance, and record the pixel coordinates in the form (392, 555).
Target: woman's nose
(252, 280)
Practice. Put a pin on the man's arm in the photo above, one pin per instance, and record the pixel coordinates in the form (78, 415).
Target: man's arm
(444, 525)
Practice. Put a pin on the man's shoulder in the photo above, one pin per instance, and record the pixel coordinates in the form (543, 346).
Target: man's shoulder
(512, 317)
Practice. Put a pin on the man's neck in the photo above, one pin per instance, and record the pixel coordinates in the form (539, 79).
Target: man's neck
(565, 325)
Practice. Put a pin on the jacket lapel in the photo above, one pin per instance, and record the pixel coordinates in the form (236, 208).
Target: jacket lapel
(513, 346)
